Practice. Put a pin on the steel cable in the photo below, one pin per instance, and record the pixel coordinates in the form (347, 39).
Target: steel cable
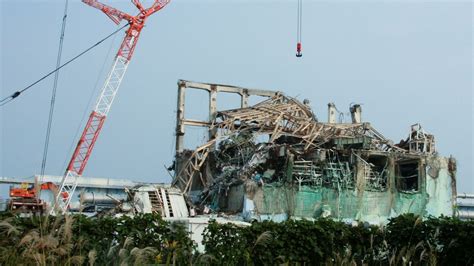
(53, 94)
(17, 93)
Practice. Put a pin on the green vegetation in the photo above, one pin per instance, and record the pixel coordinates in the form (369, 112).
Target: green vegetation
(148, 240)
(406, 240)
(78, 240)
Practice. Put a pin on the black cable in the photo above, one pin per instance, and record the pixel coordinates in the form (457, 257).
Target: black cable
(9, 98)
(299, 17)
(301, 20)
(3, 103)
(17, 93)
(298, 22)
(87, 111)
(53, 95)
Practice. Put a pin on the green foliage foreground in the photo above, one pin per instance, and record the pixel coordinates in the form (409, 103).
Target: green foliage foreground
(147, 239)
(78, 240)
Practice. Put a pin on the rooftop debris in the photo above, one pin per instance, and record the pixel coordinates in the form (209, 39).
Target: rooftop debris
(286, 121)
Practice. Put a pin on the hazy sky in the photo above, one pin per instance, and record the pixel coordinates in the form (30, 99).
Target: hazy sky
(405, 61)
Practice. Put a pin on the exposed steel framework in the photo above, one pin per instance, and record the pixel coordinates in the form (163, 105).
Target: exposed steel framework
(97, 117)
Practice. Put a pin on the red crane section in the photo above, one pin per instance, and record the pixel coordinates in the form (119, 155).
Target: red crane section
(113, 13)
(96, 120)
(136, 22)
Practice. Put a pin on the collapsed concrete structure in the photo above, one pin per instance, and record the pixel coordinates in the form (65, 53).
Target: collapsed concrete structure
(275, 160)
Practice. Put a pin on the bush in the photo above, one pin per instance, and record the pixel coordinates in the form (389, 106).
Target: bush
(406, 239)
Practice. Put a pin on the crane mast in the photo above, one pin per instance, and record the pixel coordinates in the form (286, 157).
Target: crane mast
(102, 107)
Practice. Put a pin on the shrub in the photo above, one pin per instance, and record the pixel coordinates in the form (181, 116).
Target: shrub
(406, 239)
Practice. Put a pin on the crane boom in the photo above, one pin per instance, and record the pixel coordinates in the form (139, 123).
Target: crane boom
(97, 117)
(114, 14)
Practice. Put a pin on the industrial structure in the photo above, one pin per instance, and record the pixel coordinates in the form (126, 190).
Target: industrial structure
(274, 161)
(96, 196)
(465, 206)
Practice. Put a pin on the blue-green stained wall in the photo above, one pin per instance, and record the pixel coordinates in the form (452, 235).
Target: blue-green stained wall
(434, 197)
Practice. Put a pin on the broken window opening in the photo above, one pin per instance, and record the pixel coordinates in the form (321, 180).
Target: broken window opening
(337, 172)
(376, 177)
(408, 174)
(374, 171)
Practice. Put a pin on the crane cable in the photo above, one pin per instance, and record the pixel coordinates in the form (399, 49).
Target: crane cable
(17, 93)
(299, 19)
(53, 95)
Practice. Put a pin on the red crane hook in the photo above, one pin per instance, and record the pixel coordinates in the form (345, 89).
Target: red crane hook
(298, 28)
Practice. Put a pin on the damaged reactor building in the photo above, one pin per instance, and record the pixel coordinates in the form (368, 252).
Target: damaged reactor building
(274, 161)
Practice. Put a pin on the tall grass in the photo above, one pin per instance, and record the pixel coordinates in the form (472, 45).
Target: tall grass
(77, 240)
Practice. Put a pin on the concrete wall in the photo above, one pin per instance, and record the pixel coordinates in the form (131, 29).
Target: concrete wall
(434, 197)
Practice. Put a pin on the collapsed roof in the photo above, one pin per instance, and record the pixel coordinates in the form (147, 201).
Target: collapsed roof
(280, 141)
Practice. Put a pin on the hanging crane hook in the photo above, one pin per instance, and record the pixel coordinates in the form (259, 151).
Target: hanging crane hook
(298, 50)
(298, 28)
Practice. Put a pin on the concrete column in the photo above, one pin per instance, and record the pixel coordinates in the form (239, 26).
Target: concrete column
(332, 113)
(180, 117)
(244, 99)
(356, 113)
(212, 110)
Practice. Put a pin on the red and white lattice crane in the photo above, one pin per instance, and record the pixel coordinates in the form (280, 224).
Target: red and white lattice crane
(97, 117)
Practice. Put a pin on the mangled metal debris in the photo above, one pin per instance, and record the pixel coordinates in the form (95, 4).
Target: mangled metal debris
(275, 159)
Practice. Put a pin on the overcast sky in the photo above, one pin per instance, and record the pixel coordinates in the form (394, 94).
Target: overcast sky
(405, 61)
